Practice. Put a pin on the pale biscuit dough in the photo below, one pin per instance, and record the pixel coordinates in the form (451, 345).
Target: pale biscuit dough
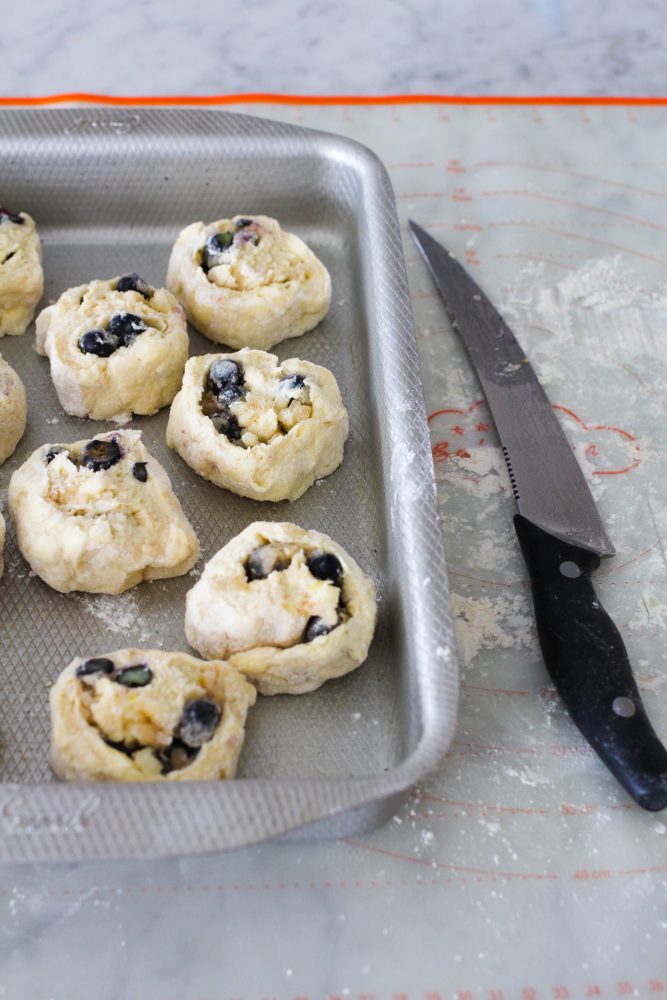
(21, 274)
(100, 530)
(265, 287)
(140, 377)
(154, 740)
(287, 429)
(13, 410)
(261, 625)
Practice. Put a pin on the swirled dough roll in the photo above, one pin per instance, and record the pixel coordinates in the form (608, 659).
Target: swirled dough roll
(21, 275)
(287, 607)
(13, 410)
(247, 283)
(115, 347)
(99, 515)
(148, 715)
(260, 428)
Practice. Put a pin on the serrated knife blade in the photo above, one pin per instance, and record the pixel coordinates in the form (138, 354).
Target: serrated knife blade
(562, 539)
(548, 484)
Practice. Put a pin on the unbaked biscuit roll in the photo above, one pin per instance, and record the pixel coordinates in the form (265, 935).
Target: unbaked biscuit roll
(13, 410)
(148, 715)
(21, 274)
(115, 348)
(287, 607)
(263, 429)
(99, 516)
(245, 282)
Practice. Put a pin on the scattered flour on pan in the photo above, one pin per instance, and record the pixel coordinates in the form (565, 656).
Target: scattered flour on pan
(119, 614)
(482, 623)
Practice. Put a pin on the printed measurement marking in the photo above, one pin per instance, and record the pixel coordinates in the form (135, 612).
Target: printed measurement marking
(531, 224)
(449, 866)
(506, 691)
(409, 166)
(548, 168)
(629, 562)
(605, 427)
(479, 806)
(449, 447)
(583, 874)
(541, 196)
(536, 258)
(642, 871)
(492, 748)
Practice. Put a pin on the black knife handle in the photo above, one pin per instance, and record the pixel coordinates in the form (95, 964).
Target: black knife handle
(588, 663)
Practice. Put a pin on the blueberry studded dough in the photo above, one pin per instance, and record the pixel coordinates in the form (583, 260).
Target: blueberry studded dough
(148, 715)
(115, 348)
(261, 428)
(99, 515)
(287, 607)
(245, 282)
(21, 274)
(13, 410)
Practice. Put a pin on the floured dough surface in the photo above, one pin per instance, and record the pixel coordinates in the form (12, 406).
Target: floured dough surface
(247, 283)
(21, 274)
(115, 347)
(99, 515)
(261, 428)
(148, 715)
(288, 607)
(13, 410)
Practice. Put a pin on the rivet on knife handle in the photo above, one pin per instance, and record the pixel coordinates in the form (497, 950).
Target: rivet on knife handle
(587, 661)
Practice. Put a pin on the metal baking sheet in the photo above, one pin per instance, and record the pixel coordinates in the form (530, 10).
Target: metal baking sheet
(110, 190)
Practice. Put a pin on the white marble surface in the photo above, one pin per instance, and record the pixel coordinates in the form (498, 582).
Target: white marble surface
(384, 46)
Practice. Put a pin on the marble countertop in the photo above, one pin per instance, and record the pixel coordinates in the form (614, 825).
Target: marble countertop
(397, 46)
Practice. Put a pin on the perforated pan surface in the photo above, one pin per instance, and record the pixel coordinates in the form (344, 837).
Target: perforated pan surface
(110, 191)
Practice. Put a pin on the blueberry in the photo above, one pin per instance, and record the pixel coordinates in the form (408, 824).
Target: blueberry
(222, 374)
(292, 383)
(210, 404)
(263, 561)
(216, 247)
(140, 471)
(316, 627)
(96, 665)
(5, 214)
(126, 327)
(100, 455)
(227, 424)
(230, 394)
(100, 342)
(134, 677)
(133, 283)
(326, 567)
(199, 722)
(51, 452)
(242, 223)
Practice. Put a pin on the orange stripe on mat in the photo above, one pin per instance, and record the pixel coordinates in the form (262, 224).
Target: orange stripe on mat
(216, 99)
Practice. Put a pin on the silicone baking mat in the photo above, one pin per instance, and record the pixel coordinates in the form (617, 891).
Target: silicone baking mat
(520, 869)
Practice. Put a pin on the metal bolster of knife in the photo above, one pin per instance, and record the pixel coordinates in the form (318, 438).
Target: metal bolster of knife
(589, 666)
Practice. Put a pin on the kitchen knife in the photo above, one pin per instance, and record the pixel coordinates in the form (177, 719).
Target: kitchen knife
(562, 539)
